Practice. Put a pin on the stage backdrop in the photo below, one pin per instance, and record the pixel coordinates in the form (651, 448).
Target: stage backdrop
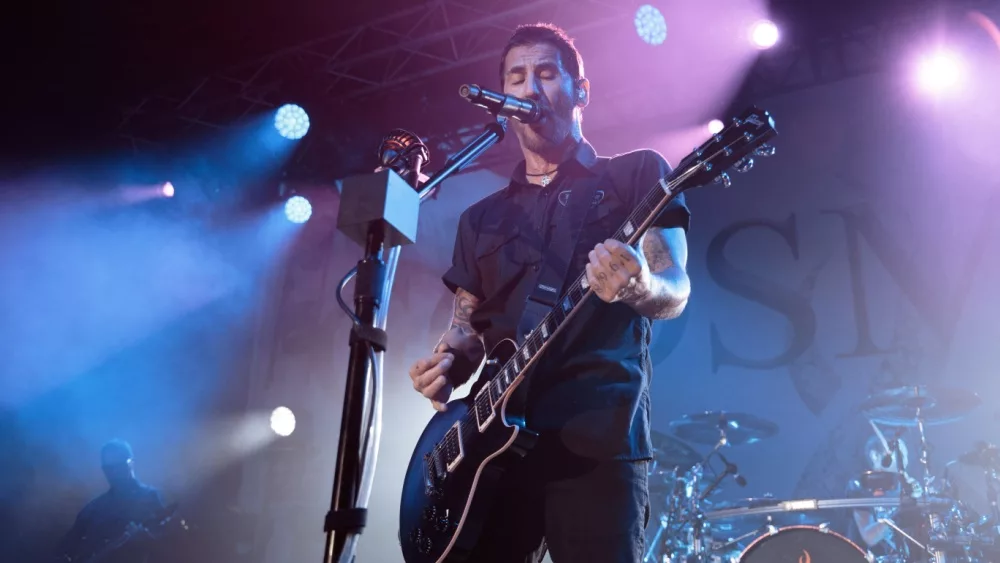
(862, 255)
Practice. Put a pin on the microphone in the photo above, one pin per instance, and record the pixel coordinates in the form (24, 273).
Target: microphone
(734, 471)
(405, 153)
(501, 105)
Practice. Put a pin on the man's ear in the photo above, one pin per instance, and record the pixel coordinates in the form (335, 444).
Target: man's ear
(582, 92)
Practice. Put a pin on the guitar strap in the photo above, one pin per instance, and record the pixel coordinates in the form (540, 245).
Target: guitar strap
(566, 226)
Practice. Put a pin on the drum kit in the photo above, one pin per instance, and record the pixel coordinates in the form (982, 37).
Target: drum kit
(928, 518)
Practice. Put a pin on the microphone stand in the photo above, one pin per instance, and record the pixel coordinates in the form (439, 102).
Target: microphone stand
(372, 290)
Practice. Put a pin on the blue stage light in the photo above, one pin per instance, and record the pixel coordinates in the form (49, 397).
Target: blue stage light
(298, 209)
(650, 25)
(291, 121)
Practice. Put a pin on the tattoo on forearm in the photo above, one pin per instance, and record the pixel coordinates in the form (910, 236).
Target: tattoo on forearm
(665, 298)
(465, 304)
(656, 253)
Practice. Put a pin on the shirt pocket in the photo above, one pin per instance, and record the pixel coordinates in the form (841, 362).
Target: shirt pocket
(498, 259)
(602, 223)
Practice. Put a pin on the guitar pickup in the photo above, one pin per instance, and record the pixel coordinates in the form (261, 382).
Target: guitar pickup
(434, 473)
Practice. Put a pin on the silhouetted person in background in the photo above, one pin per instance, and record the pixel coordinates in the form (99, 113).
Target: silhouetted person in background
(118, 526)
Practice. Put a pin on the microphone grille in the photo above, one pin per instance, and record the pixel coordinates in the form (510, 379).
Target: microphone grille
(468, 90)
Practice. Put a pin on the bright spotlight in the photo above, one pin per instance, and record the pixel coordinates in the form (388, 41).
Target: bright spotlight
(940, 72)
(291, 121)
(715, 126)
(764, 34)
(298, 209)
(650, 25)
(167, 190)
(282, 421)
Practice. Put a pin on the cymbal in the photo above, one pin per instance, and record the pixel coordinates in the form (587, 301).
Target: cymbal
(900, 406)
(740, 428)
(669, 451)
(985, 455)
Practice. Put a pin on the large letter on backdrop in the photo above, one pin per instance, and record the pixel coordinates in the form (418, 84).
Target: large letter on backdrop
(761, 290)
(925, 284)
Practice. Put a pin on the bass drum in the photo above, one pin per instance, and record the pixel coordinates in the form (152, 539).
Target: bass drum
(803, 544)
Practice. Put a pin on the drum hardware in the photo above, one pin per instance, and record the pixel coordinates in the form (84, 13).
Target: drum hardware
(918, 406)
(736, 428)
(900, 531)
(757, 530)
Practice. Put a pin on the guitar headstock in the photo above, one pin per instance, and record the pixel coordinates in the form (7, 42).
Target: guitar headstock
(740, 140)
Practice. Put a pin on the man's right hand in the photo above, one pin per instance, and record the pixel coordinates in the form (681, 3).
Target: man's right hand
(429, 377)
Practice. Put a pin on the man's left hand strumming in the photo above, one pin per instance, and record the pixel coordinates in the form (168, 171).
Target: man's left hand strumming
(654, 282)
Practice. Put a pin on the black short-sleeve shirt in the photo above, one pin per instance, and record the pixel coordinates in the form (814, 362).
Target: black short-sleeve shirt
(591, 387)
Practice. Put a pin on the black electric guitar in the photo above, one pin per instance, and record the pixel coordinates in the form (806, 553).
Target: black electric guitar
(463, 452)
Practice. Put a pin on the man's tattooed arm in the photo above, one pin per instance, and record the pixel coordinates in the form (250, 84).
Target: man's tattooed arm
(665, 294)
(462, 340)
(465, 304)
(653, 280)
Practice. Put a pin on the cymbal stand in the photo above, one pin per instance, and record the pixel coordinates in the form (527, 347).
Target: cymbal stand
(651, 549)
(924, 458)
(901, 532)
(991, 496)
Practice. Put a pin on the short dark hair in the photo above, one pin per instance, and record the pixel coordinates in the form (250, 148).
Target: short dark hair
(533, 34)
(116, 446)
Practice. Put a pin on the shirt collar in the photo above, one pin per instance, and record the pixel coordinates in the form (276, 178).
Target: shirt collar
(583, 159)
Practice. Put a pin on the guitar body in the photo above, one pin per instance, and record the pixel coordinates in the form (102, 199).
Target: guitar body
(448, 490)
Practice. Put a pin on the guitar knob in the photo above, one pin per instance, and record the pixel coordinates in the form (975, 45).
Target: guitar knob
(425, 545)
(724, 180)
(744, 164)
(442, 524)
(764, 150)
(430, 512)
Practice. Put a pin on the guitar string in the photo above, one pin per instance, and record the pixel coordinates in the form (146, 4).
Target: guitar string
(469, 421)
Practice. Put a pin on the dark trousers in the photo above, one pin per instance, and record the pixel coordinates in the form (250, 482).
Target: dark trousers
(580, 510)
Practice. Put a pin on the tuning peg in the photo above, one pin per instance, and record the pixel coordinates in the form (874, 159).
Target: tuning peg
(764, 150)
(724, 180)
(744, 164)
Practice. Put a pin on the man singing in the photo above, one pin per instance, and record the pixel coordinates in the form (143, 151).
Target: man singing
(582, 490)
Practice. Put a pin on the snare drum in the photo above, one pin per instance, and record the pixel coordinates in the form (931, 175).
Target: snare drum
(803, 544)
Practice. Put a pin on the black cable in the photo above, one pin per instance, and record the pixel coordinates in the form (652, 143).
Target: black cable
(371, 356)
(340, 298)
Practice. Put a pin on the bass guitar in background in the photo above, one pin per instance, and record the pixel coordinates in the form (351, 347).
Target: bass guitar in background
(131, 543)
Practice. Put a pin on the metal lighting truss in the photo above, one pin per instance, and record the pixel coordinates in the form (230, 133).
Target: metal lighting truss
(397, 49)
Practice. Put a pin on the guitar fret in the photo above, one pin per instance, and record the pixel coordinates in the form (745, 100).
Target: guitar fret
(629, 229)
